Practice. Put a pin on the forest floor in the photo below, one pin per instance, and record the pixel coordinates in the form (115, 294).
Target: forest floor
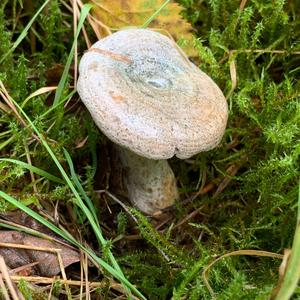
(227, 237)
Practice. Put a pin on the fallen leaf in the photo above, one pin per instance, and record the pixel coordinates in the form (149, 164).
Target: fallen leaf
(117, 14)
(19, 217)
(41, 256)
(30, 261)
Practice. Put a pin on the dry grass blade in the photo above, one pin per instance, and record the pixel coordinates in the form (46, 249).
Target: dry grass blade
(5, 108)
(63, 272)
(51, 291)
(235, 253)
(7, 278)
(95, 24)
(261, 51)
(39, 92)
(282, 271)
(5, 95)
(75, 11)
(233, 75)
(91, 285)
(4, 291)
(49, 280)
(28, 247)
(289, 281)
(84, 274)
(243, 4)
(202, 191)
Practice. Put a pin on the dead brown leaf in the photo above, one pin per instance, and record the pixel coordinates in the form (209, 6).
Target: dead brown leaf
(41, 256)
(45, 255)
(18, 217)
(117, 14)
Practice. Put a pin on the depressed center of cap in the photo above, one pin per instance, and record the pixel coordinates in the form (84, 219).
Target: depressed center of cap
(151, 72)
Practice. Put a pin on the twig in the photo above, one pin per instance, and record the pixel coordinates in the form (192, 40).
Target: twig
(122, 204)
(189, 216)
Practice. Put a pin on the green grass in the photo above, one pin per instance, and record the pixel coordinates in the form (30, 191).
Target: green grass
(253, 53)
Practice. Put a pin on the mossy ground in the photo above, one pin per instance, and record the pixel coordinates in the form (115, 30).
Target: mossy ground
(242, 195)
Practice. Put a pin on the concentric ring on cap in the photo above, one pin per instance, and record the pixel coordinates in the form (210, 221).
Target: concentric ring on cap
(153, 101)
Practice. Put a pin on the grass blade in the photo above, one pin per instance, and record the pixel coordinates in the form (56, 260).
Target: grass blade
(156, 13)
(84, 12)
(79, 186)
(24, 32)
(58, 104)
(89, 204)
(34, 169)
(35, 215)
(6, 142)
(70, 239)
(79, 201)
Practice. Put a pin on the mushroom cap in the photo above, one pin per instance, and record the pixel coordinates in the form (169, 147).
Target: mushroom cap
(145, 95)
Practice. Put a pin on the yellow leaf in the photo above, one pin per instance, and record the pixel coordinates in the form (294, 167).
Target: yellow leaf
(117, 14)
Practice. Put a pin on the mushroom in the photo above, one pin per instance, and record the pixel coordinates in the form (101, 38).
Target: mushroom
(148, 98)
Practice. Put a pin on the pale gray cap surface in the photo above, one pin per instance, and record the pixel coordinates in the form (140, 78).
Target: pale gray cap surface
(146, 96)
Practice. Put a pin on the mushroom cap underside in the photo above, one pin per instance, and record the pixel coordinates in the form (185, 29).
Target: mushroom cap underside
(145, 95)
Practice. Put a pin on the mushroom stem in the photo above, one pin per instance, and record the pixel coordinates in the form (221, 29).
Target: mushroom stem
(151, 184)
